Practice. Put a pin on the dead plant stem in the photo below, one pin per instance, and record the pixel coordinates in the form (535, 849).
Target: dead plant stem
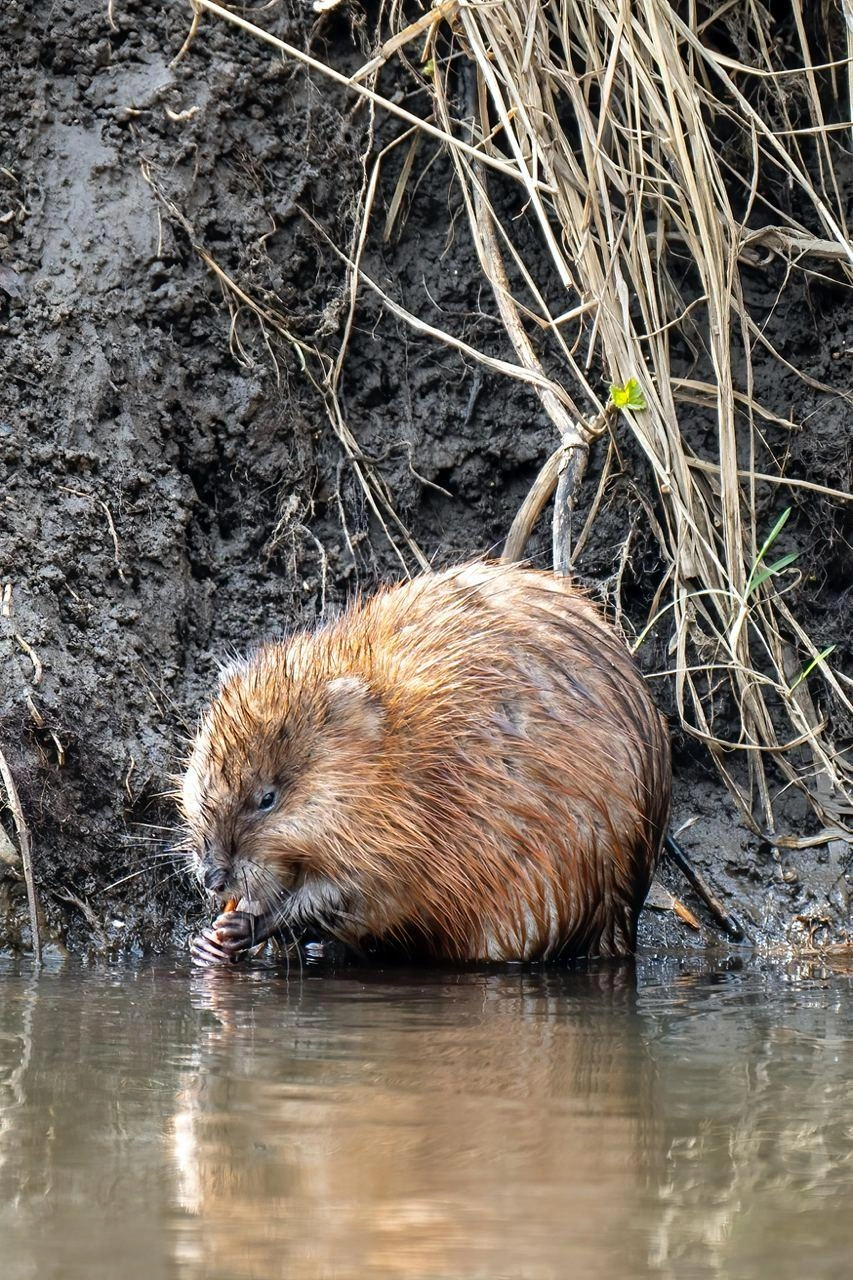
(25, 848)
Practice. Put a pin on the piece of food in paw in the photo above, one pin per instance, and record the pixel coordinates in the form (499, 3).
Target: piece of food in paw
(205, 950)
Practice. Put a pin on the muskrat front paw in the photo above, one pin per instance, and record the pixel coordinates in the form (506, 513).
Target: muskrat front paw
(238, 930)
(206, 949)
(232, 934)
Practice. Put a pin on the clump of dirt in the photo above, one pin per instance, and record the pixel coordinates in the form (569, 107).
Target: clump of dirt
(173, 488)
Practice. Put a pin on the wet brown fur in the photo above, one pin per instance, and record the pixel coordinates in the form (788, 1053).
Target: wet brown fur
(469, 765)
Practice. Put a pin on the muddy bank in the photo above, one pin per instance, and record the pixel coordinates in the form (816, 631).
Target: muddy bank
(174, 488)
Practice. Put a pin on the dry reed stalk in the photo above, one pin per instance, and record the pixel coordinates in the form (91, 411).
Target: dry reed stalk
(25, 849)
(610, 110)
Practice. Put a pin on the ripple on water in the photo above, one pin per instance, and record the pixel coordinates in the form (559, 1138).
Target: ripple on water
(674, 1120)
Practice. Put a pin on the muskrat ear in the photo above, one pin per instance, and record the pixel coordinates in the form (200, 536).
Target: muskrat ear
(354, 707)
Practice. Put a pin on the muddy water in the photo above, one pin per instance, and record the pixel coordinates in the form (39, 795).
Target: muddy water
(156, 1122)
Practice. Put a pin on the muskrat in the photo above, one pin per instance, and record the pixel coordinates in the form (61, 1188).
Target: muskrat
(466, 766)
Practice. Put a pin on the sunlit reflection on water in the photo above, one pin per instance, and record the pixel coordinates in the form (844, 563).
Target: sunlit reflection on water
(674, 1121)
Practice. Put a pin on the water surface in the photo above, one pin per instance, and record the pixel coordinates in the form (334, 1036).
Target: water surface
(678, 1120)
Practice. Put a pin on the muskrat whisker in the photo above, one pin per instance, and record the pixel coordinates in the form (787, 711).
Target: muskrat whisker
(147, 852)
(297, 949)
(149, 860)
(141, 872)
(158, 861)
(132, 876)
(130, 837)
(276, 893)
(277, 896)
(173, 875)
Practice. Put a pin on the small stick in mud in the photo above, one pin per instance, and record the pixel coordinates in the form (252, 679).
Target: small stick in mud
(724, 919)
(25, 847)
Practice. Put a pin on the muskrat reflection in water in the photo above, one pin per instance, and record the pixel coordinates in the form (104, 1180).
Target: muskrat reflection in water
(466, 766)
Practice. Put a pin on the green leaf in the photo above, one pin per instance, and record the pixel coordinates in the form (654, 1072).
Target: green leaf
(774, 532)
(824, 653)
(628, 397)
(755, 577)
(762, 575)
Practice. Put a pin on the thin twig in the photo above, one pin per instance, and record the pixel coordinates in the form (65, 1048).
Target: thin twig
(25, 848)
(114, 536)
(347, 82)
(787, 482)
(723, 918)
(191, 35)
(520, 372)
(574, 450)
(439, 12)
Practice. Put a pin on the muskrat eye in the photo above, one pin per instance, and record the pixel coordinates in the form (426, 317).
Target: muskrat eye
(267, 800)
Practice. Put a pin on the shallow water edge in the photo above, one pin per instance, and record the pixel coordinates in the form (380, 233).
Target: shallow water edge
(680, 1117)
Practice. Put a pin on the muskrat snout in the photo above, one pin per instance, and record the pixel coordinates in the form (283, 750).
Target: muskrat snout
(213, 868)
(213, 878)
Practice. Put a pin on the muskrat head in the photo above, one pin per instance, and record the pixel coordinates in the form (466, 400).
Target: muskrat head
(275, 778)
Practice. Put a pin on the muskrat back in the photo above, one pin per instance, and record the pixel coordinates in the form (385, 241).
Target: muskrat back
(467, 765)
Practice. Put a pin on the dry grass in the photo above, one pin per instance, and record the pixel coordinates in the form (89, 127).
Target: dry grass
(610, 117)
